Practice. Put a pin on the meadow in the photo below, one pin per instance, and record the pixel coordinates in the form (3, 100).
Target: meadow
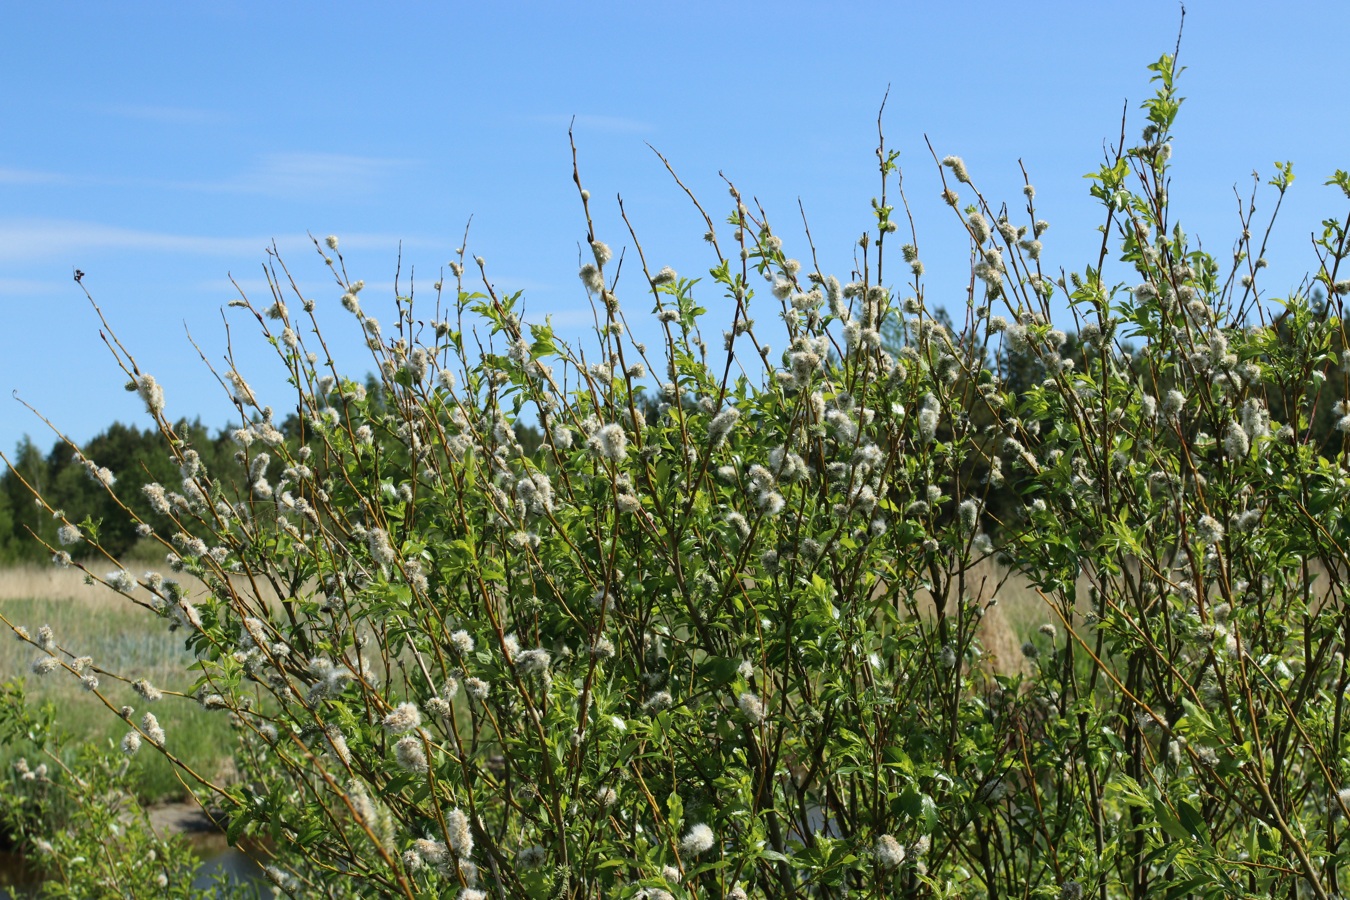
(121, 638)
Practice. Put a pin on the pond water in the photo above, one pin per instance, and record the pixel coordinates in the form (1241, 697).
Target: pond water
(17, 881)
(238, 867)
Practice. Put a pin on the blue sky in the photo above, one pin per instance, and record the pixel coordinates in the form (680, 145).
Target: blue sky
(160, 147)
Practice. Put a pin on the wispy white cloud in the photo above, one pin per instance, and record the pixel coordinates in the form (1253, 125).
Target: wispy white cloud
(16, 287)
(29, 239)
(287, 175)
(32, 239)
(252, 287)
(167, 115)
(32, 176)
(613, 124)
(307, 174)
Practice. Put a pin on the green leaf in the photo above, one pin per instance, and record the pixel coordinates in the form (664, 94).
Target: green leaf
(1168, 821)
(919, 807)
(675, 809)
(238, 823)
(720, 670)
(1192, 821)
(897, 758)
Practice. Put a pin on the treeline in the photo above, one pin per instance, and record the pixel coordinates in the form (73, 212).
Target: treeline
(68, 478)
(61, 475)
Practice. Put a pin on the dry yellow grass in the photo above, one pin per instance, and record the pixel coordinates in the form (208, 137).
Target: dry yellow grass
(95, 621)
(1014, 616)
(29, 582)
(90, 620)
(1017, 613)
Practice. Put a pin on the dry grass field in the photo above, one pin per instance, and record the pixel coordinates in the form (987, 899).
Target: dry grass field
(1014, 617)
(91, 620)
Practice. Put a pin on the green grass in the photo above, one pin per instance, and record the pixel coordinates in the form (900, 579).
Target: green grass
(133, 643)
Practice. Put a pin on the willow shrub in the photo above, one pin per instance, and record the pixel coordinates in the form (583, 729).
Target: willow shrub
(686, 646)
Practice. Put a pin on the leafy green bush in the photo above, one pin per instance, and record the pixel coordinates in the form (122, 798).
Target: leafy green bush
(74, 809)
(689, 645)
